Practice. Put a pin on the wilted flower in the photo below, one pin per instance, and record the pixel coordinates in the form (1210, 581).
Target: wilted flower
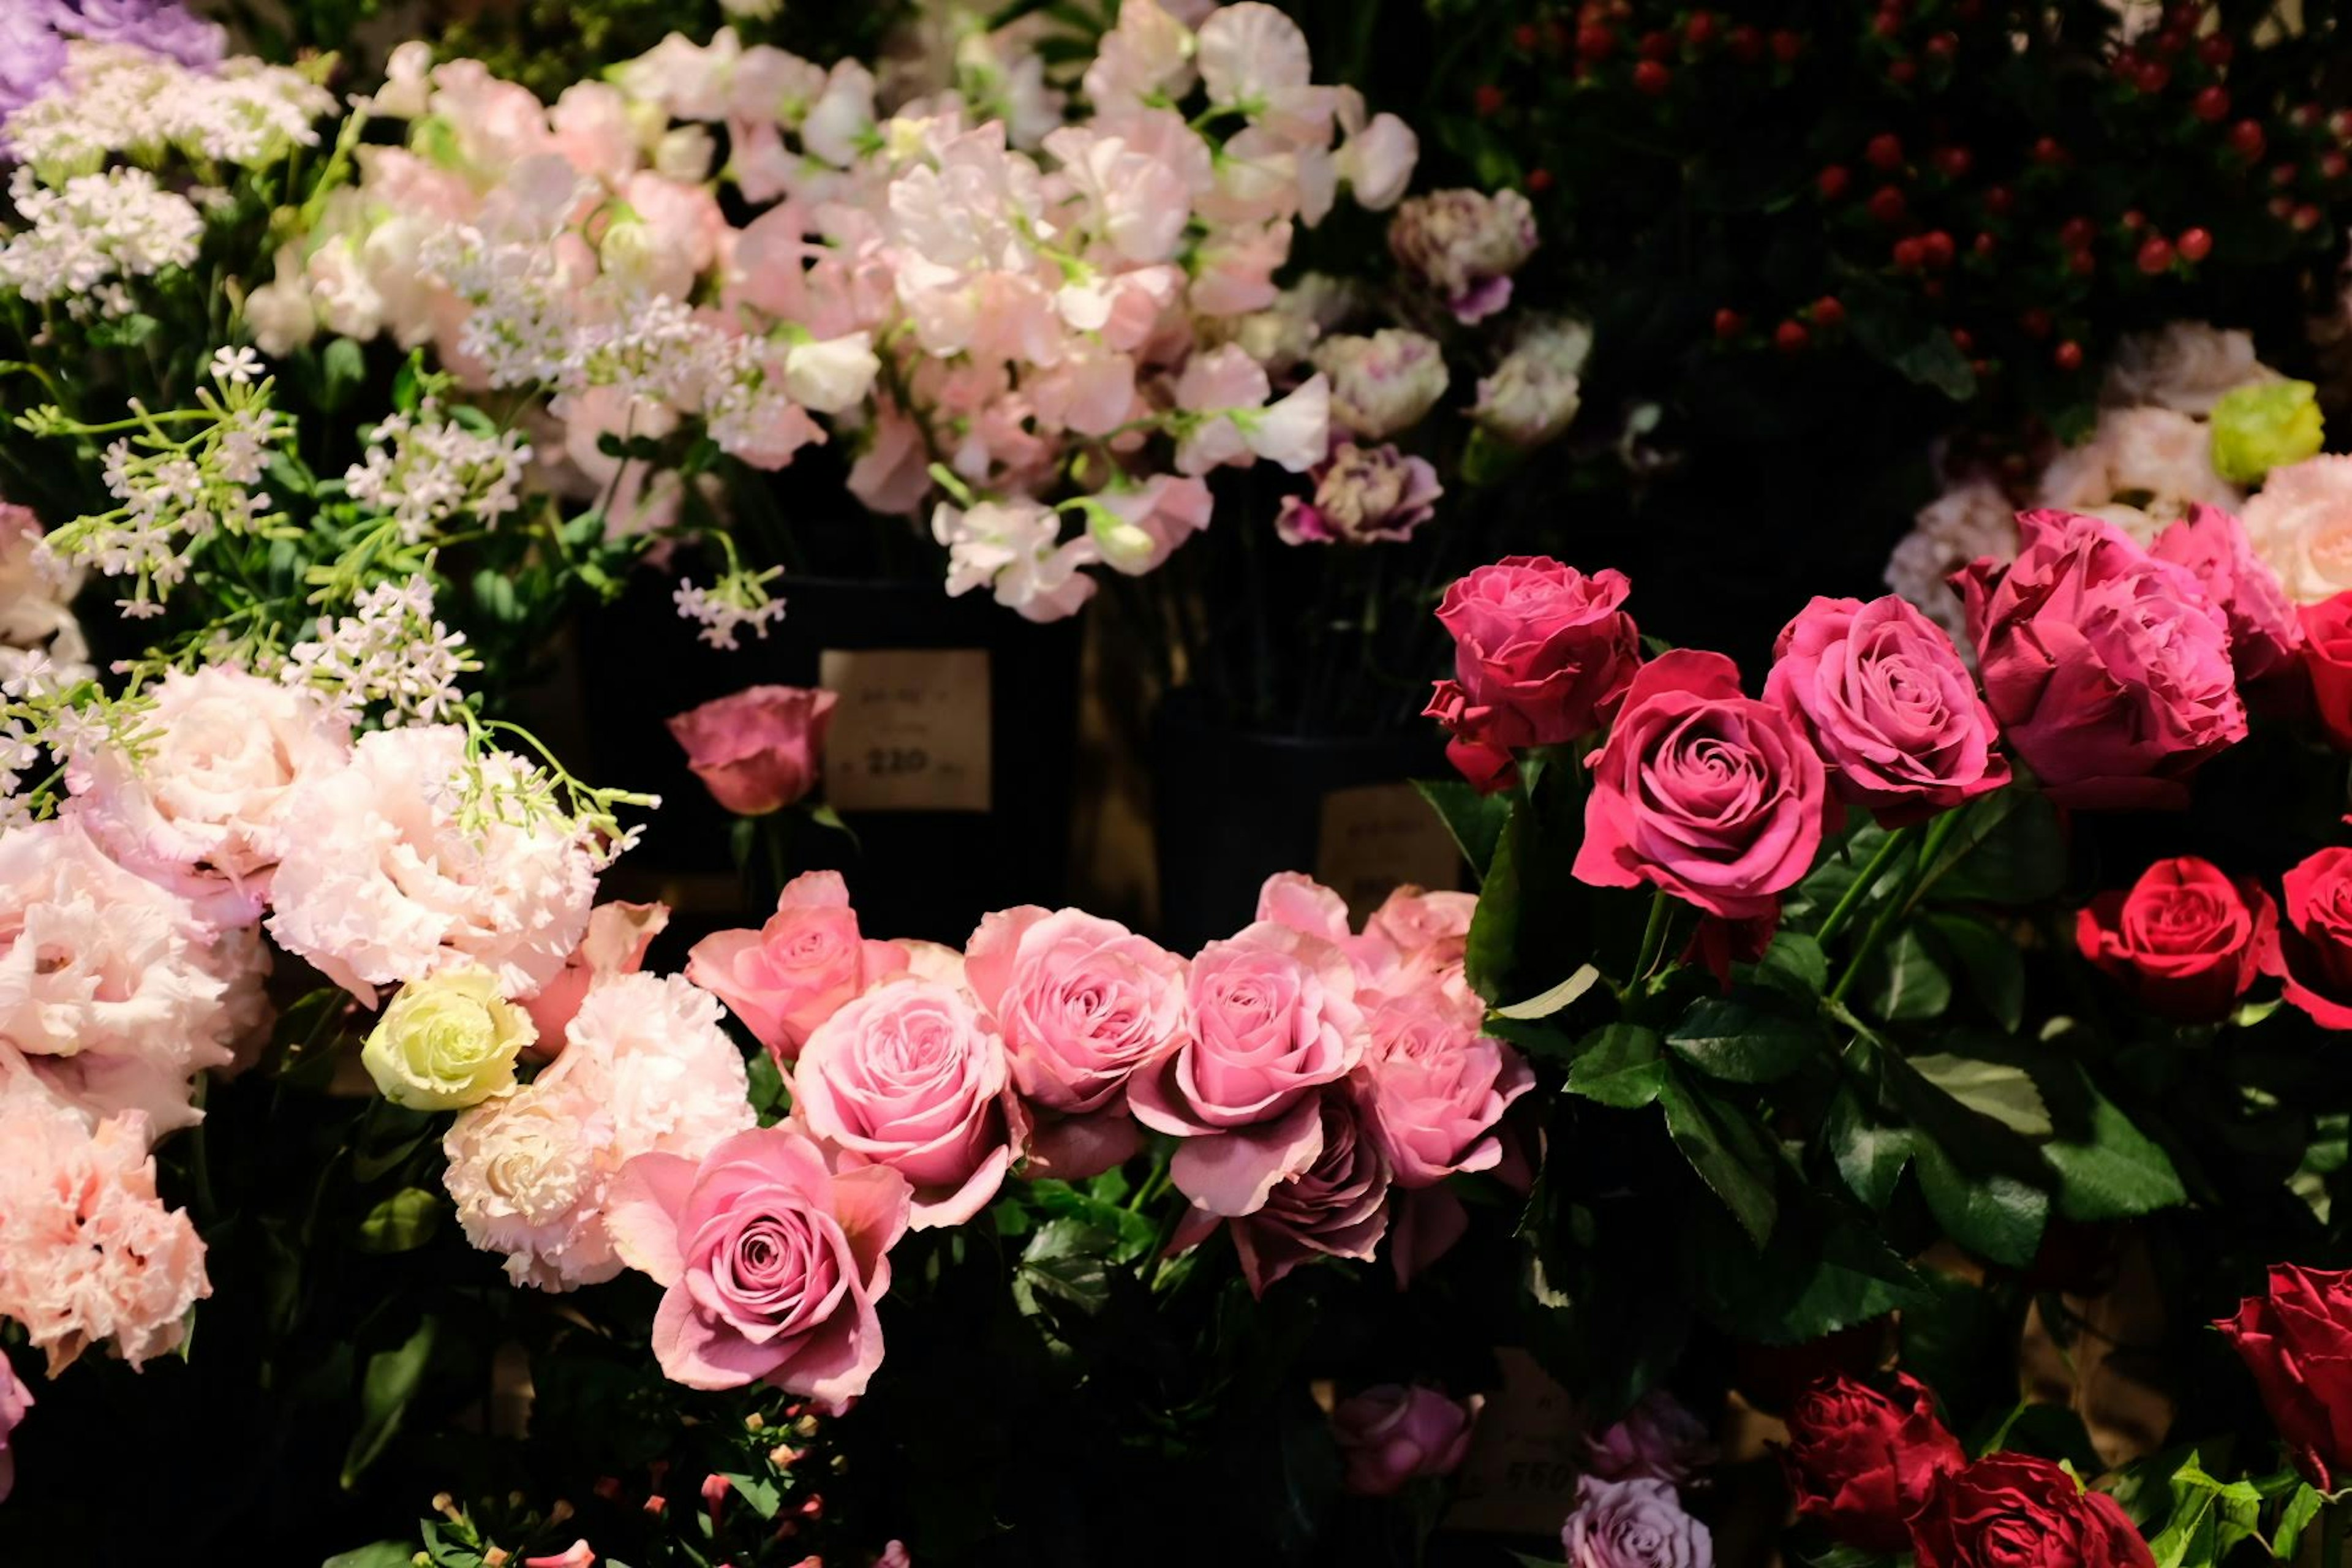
(1363, 495)
(1465, 245)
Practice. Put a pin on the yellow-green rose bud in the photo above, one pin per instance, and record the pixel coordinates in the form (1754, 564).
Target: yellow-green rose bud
(2263, 425)
(447, 1042)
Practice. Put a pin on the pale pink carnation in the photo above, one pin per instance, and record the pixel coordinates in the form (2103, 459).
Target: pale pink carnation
(650, 1049)
(201, 807)
(617, 937)
(381, 884)
(528, 1171)
(87, 1253)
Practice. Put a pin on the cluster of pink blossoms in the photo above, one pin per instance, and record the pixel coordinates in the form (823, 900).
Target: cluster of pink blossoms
(1321, 1082)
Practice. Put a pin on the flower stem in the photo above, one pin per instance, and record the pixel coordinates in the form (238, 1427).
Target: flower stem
(1859, 889)
(1896, 908)
(1653, 935)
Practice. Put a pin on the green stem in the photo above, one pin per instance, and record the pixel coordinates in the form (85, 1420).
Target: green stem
(1859, 889)
(2333, 1518)
(1653, 935)
(1897, 908)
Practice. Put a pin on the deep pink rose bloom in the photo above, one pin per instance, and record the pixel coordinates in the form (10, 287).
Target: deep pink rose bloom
(2296, 1339)
(1541, 653)
(2265, 636)
(1082, 1003)
(1271, 1015)
(15, 1400)
(758, 751)
(1894, 713)
(615, 944)
(2186, 940)
(910, 1075)
(1333, 1203)
(2312, 951)
(2109, 669)
(1659, 1437)
(1436, 1087)
(1392, 1434)
(796, 971)
(1712, 796)
(772, 1263)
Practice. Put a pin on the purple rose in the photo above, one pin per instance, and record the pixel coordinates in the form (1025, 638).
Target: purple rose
(1659, 1439)
(1633, 1524)
(161, 26)
(1392, 1435)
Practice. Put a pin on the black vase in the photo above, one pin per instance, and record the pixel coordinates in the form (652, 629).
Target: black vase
(949, 758)
(1232, 807)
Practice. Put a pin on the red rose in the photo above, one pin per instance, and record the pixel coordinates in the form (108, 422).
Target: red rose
(2327, 660)
(1862, 1463)
(1895, 712)
(757, 751)
(2297, 1342)
(1714, 797)
(2013, 1510)
(2109, 669)
(2186, 941)
(1541, 653)
(2312, 951)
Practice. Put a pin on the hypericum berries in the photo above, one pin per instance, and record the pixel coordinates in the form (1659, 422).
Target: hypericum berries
(2210, 105)
(2156, 255)
(1789, 336)
(2067, 356)
(2194, 243)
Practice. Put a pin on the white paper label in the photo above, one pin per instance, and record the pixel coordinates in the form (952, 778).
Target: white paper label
(911, 730)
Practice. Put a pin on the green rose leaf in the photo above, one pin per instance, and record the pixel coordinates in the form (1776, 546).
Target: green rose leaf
(1870, 1155)
(1618, 1065)
(1475, 820)
(1726, 1150)
(1737, 1040)
(2109, 1169)
(400, 1222)
(386, 1385)
(1997, 1216)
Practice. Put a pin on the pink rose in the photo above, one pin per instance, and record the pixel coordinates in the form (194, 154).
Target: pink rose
(1541, 653)
(2109, 669)
(796, 971)
(615, 944)
(1082, 1003)
(1271, 1016)
(1435, 1086)
(1709, 795)
(1331, 1202)
(2265, 638)
(757, 751)
(1632, 1524)
(1414, 920)
(15, 1400)
(1394, 1434)
(1297, 900)
(1893, 711)
(772, 1263)
(910, 1075)
(1658, 1438)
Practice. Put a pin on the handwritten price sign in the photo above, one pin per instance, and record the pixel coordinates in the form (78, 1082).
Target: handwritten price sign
(1519, 1478)
(1377, 837)
(911, 731)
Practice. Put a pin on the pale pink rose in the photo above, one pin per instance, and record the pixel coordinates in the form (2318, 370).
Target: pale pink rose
(1332, 1203)
(911, 1076)
(795, 972)
(650, 1050)
(1271, 1016)
(1436, 1087)
(1297, 900)
(1414, 919)
(381, 883)
(615, 944)
(201, 808)
(771, 1262)
(1658, 1439)
(2300, 525)
(16, 1399)
(759, 750)
(2265, 635)
(111, 988)
(1082, 1004)
(528, 1173)
(1392, 1435)
(87, 1253)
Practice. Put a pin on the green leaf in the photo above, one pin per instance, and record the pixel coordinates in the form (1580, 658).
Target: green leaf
(386, 1385)
(375, 1555)
(1993, 1215)
(1824, 1271)
(1618, 1065)
(1706, 1129)
(1731, 1039)
(1909, 983)
(2294, 1518)
(760, 1492)
(400, 1222)
(1793, 965)
(1992, 961)
(1545, 1004)
(2208, 1519)
(769, 1101)
(2009, 850)
(345, 366)
(1998, 1089)
(1475, 820)
(2113, 1171)
(1495, 928)
(1870, 1155)
(1124, 1233)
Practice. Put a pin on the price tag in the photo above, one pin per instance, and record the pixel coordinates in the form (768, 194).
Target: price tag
(911, 730)
(1377, 838)
(1519, 1476)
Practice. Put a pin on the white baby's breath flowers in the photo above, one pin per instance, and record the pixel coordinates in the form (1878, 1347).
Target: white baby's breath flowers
(390, 654)
(425, 470)
(236, 366)
(96, 229)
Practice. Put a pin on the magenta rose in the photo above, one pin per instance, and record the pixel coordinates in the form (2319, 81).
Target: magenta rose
(1436, 1087)
(1712, 796)
(2109, 669)
(1541, 653)
(796, 971)
(1894, 713)
(1270, 1016)
(2186, 940)
(1332, 1204)
(1659, 1437)
(910, 1075)
(771, 1263)
(2312, 951)
(758, 751)
(1082, 1003)
(2265, 636)
(1392, 1435)
(2296, 1340)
